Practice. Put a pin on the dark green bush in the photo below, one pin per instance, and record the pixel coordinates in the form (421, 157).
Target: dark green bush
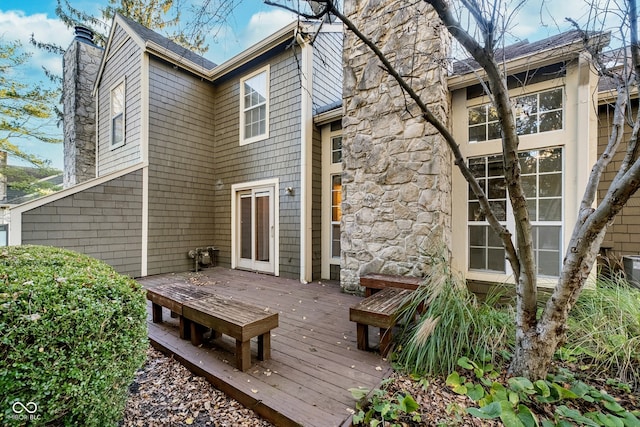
(72, 334)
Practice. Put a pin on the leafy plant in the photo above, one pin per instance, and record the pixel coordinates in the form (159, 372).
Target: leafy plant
(379, 408)
(512, 402)
(72, 334)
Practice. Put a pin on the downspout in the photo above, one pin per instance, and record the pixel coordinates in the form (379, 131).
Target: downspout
(306, 151)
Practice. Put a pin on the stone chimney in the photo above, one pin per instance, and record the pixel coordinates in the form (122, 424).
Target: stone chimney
(80, 68)
(396, 177)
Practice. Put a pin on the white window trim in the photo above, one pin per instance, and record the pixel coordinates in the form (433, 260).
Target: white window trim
(510, 223)
(264, 136)
(531, 90)
(113, 146)
(328, 169)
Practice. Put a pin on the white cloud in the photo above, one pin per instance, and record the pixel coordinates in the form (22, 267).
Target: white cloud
(16, 25)
(262, 24)
(227, 42)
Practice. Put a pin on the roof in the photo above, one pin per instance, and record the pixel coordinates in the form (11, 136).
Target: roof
(15, 197)
(148, 35)
(524, 56)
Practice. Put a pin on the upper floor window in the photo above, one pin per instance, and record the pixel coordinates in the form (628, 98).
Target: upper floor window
(336, 149)
(254, 106)
(535, 113)
(117, 106)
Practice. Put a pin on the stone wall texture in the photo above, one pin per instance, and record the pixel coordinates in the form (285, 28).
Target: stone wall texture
(81, 63)
(396, 168)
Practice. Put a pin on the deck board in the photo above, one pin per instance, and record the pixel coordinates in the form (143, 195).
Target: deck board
(314, 359)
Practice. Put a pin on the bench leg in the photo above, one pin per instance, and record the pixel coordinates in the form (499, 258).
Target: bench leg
(385, 341)
(264, 346)
(243, 355)
(196, 333)
(362, 336)
(174, 315)
(156, 310)
(185, 328)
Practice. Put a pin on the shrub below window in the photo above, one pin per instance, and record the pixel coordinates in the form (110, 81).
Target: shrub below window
(72, 334)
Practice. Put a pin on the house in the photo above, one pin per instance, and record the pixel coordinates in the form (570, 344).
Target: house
(190, 154)
(247, 156)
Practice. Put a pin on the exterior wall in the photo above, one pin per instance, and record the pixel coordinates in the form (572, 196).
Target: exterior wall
(327, 69)
(316, 203)
(181, 168)
(623, 236)
(275, 157)
(396, 169)
(104, 221)
(81, 62)
(124, 60)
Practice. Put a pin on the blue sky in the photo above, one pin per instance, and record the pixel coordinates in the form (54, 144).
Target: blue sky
(250, 22)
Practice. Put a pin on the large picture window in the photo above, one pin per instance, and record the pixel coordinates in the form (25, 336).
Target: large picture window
(535, 113)
(254, 110)
(117, 106)
(542, 181)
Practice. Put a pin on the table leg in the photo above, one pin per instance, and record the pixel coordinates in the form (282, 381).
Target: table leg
(264, 346)
(243, 355)
(362, 336)
(156, 310)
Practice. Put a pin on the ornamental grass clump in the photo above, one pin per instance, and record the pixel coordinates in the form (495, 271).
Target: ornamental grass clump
(604, 331)
(72, 335)
(451, 323)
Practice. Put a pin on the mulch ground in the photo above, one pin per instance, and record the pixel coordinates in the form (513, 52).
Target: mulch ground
(164, 393)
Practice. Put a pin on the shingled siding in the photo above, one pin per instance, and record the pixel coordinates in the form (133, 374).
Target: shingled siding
(327, 69)
(623, 237)
(104, 221)
(124, 59)
(276, 157)
(181, 168)
(316, 205)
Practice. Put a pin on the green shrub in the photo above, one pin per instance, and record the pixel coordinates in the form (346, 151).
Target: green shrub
(72, 335)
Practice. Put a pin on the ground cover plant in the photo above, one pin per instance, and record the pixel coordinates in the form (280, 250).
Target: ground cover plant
(72, 335)
(594, 381)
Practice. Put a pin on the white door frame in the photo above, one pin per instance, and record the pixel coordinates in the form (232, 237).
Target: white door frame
(237, 190)
(328, 170)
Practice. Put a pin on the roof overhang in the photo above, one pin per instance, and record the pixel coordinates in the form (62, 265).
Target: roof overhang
(536, 60)
(328, 116)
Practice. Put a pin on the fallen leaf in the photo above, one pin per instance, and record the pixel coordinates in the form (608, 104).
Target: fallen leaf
(189, 421)
(378, 368)
(253, 390)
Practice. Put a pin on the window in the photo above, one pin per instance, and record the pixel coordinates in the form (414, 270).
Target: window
(336, 214)
(117, 115)
(336, 149)
(254, 110)
(542, 181)
(4, 234)
(535, 113)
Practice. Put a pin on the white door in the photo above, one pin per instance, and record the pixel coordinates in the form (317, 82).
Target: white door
(256, 229)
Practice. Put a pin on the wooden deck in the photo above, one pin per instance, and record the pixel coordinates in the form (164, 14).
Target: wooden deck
(314, 359)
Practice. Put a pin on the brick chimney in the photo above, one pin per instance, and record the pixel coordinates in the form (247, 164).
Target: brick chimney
(80, 68)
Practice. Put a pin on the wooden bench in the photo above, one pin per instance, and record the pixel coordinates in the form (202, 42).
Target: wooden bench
(378, 310)
(236, 319)
(173, 296)
(375, 282)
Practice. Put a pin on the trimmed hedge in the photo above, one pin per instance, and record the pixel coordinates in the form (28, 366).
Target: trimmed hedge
(72, 335)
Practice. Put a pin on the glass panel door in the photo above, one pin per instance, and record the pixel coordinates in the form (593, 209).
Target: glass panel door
(256, 229)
